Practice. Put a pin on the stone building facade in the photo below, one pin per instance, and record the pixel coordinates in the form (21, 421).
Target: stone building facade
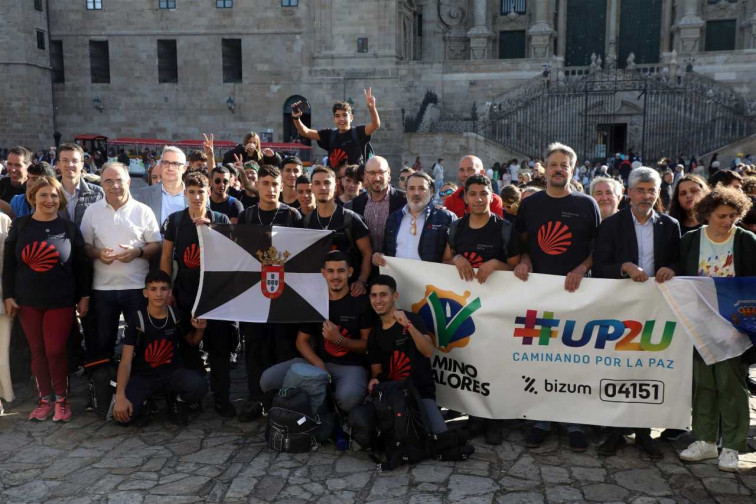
(177, 68)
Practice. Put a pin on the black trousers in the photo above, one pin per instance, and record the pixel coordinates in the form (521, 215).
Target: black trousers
(219, 341)
(189, 385)
(266, 345)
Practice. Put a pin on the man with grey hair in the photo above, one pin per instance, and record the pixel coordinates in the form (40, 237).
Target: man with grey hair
(167, 196)
(637, 243)
(558, 226)
(608, 194)
(418, 230)
(120, 235)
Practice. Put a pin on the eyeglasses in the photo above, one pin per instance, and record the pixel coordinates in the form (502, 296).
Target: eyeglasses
(413, 227)
(172, 164)
(375, 173)
(69, 161)
(447, 192)
(112, 182)
(402, 179)
(221, 181)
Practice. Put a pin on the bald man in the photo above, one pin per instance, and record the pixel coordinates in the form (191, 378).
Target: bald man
(380, 200)
(469, 166)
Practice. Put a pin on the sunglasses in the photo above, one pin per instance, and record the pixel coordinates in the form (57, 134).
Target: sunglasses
(446, 192)
(221, 181)
(402, 179)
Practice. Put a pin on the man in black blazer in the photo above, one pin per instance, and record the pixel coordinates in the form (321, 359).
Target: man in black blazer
(637, 243)
(379, 201)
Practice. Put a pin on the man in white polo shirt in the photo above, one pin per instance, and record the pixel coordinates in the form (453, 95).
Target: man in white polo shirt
(120, 235)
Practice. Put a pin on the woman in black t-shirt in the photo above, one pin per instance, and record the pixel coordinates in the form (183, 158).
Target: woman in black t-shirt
(181, 249)
(45, 278)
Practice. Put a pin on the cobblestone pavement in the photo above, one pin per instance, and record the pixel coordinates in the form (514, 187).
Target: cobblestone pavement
(215, 460)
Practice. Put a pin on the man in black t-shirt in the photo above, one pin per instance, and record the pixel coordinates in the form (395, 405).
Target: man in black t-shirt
(17, 163)
(400, 348)
(337, 345)
(351, 234)
(558, 226)
(345, 144)
(220, 201)
(291, 169)
(266, 344)
(150, 362)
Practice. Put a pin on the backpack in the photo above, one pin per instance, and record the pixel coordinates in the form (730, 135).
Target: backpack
(314, 382)
(102, 387)
(367, 150)
(291, 426)
(348, 218)
(402, 429)
(506, 232)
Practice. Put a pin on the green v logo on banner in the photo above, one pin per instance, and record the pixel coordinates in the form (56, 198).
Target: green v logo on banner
(445, 329)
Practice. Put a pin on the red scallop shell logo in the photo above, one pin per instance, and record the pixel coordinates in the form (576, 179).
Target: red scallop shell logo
(474, 258)
(554, 238)
(40, 256)
(159, 353)
(333, 348)
(192, 256)
(400, 366)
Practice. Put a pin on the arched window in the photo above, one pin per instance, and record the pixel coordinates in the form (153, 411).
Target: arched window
(290, 133)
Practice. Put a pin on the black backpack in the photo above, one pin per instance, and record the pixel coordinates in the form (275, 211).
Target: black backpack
(367, 150)
(102, 386)
(291, 426)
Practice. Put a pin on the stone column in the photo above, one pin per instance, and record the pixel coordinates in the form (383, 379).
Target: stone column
(562, 29)
(479, 34)
(690, 28)
(666, 23)
(612, 18)
(540, 31)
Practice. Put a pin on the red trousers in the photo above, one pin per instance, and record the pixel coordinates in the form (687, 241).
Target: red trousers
(47, 330)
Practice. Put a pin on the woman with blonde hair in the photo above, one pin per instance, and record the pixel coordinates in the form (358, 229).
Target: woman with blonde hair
(46, 250)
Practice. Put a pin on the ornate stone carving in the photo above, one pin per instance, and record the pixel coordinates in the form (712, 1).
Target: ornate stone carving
(452, 12)
(630, 62)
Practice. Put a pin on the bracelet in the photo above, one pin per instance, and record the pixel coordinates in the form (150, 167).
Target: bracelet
(340, 340)
(141, 251)
(454, 259)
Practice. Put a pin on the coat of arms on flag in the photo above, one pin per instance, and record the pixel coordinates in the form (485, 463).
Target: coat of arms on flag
(254, 273)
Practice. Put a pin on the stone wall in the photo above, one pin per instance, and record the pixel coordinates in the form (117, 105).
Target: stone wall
(451, 147)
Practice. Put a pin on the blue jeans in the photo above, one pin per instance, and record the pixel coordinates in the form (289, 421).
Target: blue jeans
(350, 382)
(107, 307)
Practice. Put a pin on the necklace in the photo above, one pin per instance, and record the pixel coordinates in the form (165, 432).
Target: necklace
(153, 323)
(271, 220)
(327, 223)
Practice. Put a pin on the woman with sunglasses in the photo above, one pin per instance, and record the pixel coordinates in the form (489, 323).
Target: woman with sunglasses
(181, 251)
(446, 190)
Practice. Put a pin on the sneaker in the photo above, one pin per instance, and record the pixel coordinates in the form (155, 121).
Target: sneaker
(728, 460)
(611, 444)
(177, 413)
(62, 410)
(673, 434)
(493, 434)
(577, 441)
(536, 437)
(699, 450)
(649, 445)
(42, 412)
(224, 408)
(250, 410)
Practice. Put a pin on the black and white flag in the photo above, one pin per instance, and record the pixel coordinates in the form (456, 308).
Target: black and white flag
(254, 273)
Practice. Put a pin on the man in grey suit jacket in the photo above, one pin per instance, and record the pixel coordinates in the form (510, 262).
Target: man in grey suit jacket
(166, 197)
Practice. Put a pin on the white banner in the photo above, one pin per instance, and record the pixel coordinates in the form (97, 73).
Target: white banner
(611, 353)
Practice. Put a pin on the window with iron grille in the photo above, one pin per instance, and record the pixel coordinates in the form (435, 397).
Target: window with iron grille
(167, 4)
(56, 59)
(94, 4)
(167, 62)
(516, 6)
(720, 35)
(38, 5)
(224, 4)
(289, 3)
(99, 61)
(232, 60)
(40, 40)
(362, 45)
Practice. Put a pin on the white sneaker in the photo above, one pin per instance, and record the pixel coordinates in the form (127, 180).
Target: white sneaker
(728, 460)
(699, 450)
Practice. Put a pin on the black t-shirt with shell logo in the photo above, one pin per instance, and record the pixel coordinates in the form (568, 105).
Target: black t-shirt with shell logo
(155, 342)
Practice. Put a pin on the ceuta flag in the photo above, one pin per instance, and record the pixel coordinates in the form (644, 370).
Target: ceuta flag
(254, 273)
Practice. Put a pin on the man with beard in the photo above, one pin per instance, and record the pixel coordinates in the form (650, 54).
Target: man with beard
(469, 166)
(558, 226)
(380, 200)
(350, 232)
(419, 230)
(338, 345)
(479, 244)
(639, 244)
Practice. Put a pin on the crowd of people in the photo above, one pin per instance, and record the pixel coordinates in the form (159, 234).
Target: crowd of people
(78, 250)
